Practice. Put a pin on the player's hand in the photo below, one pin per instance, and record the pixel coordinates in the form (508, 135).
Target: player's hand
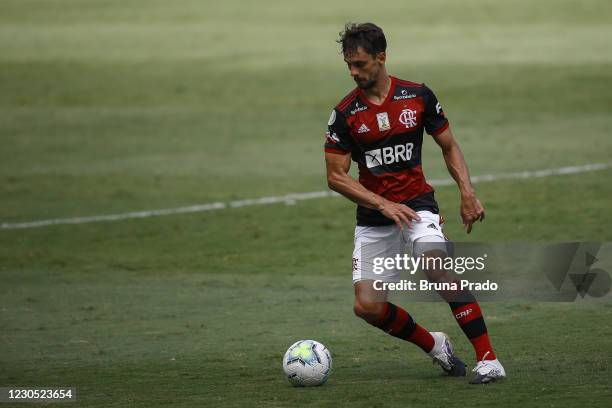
(400, 213)
(471, 211)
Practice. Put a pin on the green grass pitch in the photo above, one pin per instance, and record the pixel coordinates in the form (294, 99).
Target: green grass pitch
(111, 106)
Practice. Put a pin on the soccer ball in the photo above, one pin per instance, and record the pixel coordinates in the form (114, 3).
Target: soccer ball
(307, 363)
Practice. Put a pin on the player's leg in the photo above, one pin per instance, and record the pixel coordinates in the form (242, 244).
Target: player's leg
(371, 304)
(428, 241)
(373, 244)
(470, 318)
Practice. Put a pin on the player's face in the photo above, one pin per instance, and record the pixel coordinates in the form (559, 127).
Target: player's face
(364, 68)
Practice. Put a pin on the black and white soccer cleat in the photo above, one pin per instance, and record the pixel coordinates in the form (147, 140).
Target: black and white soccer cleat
(487, 371)
(443, 355)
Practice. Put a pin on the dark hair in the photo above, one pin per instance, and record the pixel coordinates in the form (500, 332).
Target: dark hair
(368, 36)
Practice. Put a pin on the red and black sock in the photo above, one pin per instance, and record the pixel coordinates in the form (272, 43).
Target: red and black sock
(470, 319)
(398, 323)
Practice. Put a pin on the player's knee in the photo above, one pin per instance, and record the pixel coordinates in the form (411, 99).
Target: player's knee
(368, 310)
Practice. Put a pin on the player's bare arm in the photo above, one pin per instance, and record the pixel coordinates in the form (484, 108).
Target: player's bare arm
(471, 208)
(338, 179)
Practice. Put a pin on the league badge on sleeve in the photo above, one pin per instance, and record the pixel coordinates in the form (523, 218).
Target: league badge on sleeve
(332, 118)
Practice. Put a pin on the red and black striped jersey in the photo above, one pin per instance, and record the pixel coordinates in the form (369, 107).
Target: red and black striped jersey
(385, 141)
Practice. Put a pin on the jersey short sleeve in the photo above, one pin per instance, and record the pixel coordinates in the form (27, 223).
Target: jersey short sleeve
(435, 120)
(337, 138)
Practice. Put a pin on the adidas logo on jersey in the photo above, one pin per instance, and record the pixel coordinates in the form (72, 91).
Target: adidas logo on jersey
(432, 225)
(363, 128)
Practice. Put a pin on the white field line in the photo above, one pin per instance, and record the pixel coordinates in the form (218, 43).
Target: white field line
(289, 198)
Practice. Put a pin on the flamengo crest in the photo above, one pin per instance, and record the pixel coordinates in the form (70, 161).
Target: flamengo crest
(408, 118)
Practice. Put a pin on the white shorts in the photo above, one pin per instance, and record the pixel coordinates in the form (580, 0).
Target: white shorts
(388, 241)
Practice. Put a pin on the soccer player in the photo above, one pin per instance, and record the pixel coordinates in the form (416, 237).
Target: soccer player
(380, 125)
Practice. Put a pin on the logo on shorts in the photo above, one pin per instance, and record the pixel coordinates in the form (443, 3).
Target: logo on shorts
(432, 225)
(355, 264)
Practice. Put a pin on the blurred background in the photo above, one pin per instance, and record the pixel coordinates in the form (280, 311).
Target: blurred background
(111, 106)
